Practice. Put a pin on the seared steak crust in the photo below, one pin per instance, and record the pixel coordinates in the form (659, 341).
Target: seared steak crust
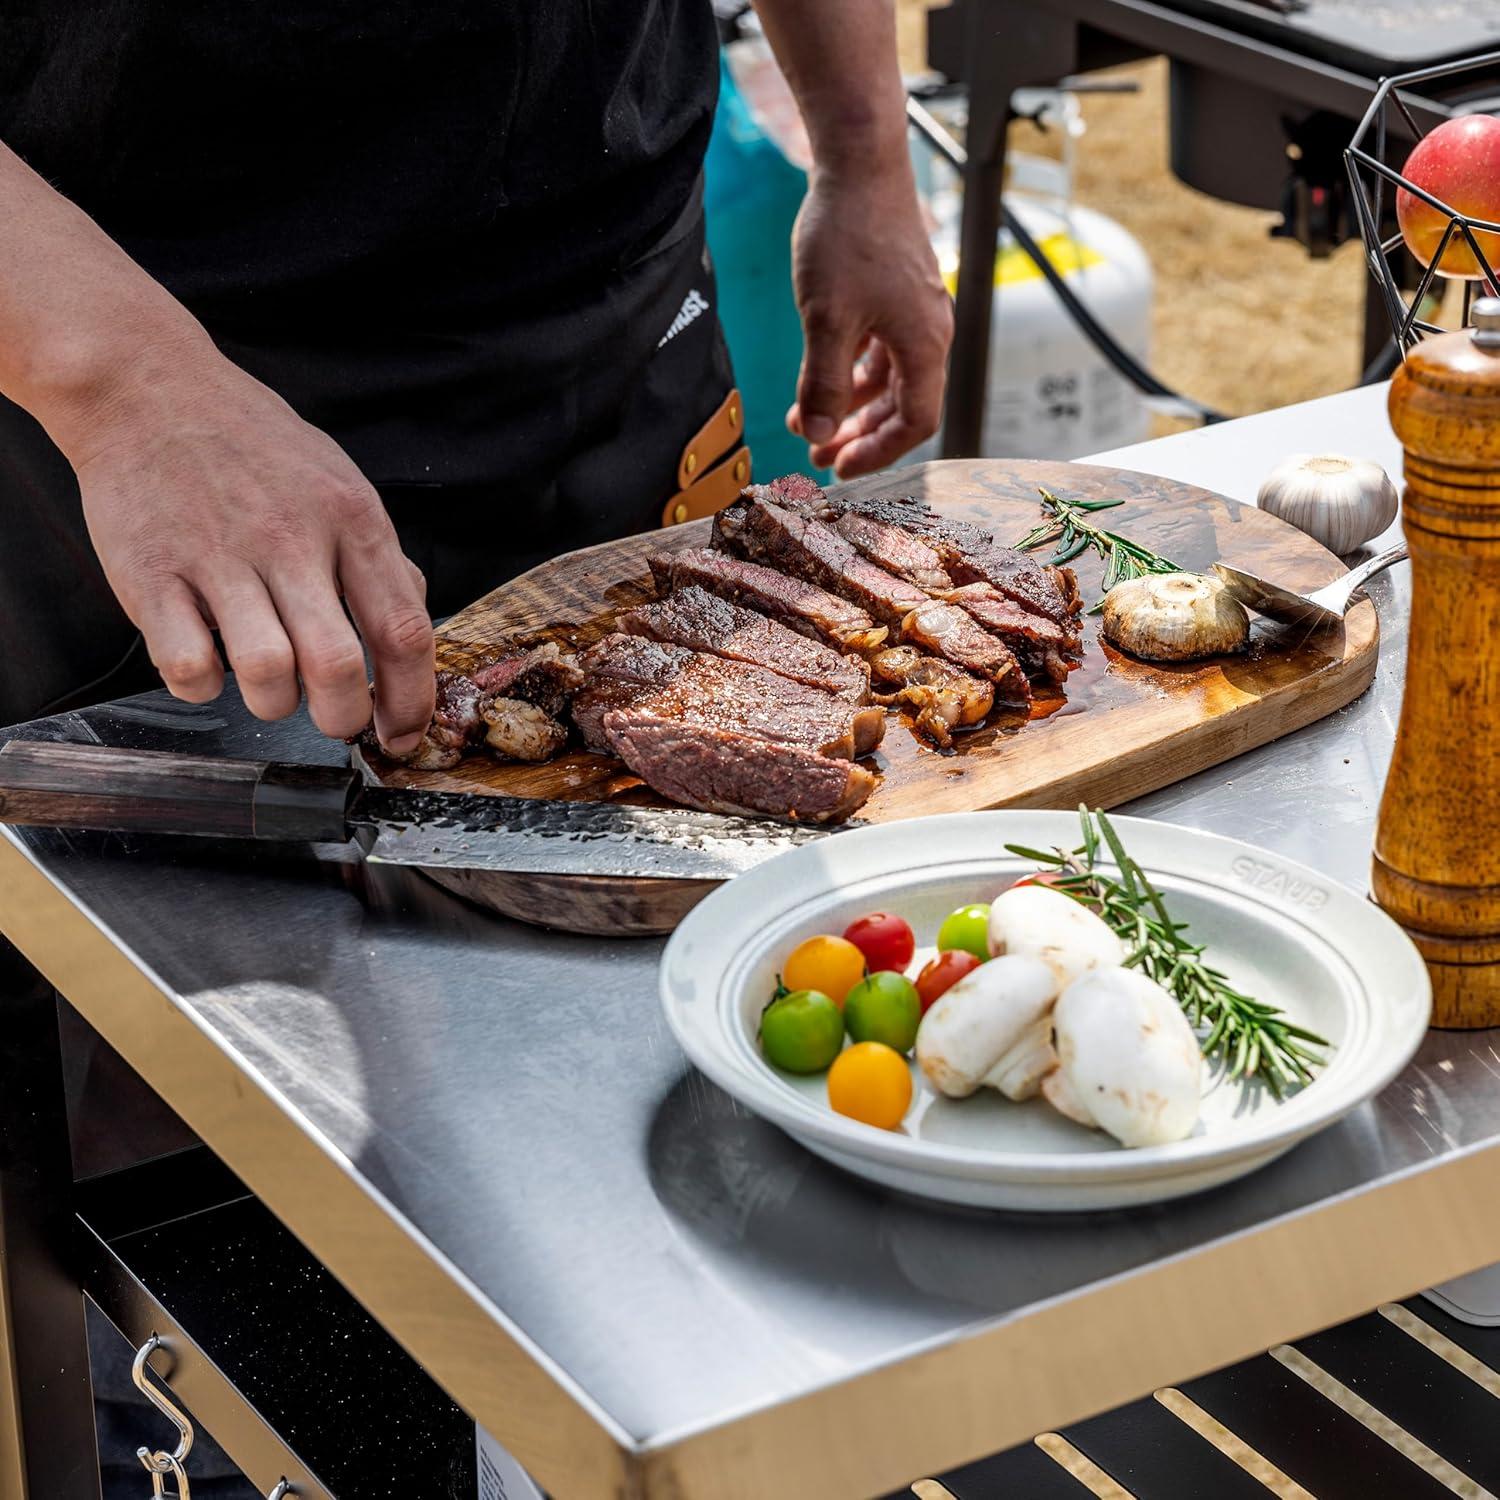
(1032, 607)
(722, 771)
(801, 606)
(701, 621)
(673, 682)
(543, 675)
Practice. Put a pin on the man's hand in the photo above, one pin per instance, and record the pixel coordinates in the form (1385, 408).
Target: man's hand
(212, 504)
(877, 322)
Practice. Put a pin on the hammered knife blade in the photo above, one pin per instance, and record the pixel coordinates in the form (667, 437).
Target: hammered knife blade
(67, 785)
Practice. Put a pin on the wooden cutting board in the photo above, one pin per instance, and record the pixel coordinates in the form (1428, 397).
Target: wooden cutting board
(1120, 728)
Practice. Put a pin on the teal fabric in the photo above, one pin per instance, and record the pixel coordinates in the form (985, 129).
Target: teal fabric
(752, 193)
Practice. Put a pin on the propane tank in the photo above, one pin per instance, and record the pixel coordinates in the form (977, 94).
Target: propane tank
(1050, 393)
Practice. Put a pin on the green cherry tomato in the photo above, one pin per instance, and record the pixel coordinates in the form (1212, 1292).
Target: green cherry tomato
(884, 1007)
(967, 929)
(802, 1032)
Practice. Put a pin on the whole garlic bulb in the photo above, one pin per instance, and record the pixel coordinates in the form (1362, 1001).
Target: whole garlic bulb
(1341, 502)
(1174, 617)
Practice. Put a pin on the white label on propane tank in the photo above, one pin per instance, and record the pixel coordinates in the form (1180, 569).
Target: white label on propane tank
(500, 1476)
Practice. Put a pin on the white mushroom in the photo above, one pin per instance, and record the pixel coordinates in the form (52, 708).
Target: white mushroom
(993, 1028)
(1035, 921)
(1174, 617)
(1128, 1061)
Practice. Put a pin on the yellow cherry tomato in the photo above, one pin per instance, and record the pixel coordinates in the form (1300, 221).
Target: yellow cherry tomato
(870, 1082)
(832, 965)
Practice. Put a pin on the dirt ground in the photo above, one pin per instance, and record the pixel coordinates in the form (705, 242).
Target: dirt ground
(1242, 322)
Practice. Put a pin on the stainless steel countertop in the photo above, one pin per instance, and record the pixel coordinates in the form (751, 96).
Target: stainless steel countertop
(513, 1100)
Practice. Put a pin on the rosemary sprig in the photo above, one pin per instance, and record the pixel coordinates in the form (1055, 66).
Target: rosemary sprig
(1069, 526)
(1251, 1039)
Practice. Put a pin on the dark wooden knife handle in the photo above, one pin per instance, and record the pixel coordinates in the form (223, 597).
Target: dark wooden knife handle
(67, 785)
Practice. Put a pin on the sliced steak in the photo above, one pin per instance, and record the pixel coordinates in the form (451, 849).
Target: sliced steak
(898, 549)
(597, 698)
(942, 696)
(901, 552)
(673, 682)
(801, 606)
(543, 675)
(966, 552)
(794, 541)
(1045, 648)
(455, 726)
(796, 489)
(702, 621)
(720, 770)
(508, 699)
(1049, 591)
(517, 730)
(1042, 646)
(632, 658)
(945, 630)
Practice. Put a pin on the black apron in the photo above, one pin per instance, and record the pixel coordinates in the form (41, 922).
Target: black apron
(456, 237)
(465, 238)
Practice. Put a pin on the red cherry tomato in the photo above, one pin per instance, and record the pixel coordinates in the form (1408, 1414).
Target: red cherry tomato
(887, 942)
(1042, 877)
(942, 973)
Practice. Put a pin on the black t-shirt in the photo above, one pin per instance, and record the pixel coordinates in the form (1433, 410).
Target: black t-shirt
(403, 206)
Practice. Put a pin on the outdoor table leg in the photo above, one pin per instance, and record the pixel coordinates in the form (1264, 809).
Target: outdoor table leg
(47, 1444)
(1007, 46)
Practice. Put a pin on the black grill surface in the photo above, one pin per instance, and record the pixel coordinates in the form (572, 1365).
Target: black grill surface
(1371, 37)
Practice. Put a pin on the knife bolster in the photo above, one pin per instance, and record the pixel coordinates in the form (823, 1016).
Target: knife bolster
(303, 804)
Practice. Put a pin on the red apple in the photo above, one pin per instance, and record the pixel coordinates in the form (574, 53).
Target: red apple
(1458, 162)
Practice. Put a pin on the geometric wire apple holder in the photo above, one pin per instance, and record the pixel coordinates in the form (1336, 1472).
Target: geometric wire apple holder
(1370, 174)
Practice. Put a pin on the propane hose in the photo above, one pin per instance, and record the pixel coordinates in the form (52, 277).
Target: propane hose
(932, 131)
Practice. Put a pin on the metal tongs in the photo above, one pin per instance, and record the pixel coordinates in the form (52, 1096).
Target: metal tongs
(1327, 606)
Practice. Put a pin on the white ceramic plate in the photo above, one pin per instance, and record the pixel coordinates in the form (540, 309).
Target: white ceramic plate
(1281, 932)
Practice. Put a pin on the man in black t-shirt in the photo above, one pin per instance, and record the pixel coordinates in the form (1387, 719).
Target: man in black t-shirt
(302, 301)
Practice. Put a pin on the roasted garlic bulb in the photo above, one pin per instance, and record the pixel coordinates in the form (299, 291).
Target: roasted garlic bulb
(1174, 617)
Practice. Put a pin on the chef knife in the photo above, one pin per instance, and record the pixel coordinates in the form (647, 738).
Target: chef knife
(69, 785)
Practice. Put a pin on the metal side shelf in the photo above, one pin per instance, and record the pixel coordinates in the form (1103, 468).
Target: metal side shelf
(1400, 1404)
(260, 1344)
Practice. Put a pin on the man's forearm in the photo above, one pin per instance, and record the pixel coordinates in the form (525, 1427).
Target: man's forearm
(840, 58)
(76, 313)
(876, 317)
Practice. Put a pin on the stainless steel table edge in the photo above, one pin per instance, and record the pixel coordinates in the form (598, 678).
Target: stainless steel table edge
(467, 1344)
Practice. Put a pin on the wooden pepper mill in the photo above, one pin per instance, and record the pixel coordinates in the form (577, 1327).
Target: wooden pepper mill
(1437, 843)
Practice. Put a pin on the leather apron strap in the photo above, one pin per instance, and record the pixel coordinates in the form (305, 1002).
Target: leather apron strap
(707, 486)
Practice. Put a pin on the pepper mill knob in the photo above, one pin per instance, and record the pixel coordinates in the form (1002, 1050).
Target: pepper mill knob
(1437, 841)
(1486, 317)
